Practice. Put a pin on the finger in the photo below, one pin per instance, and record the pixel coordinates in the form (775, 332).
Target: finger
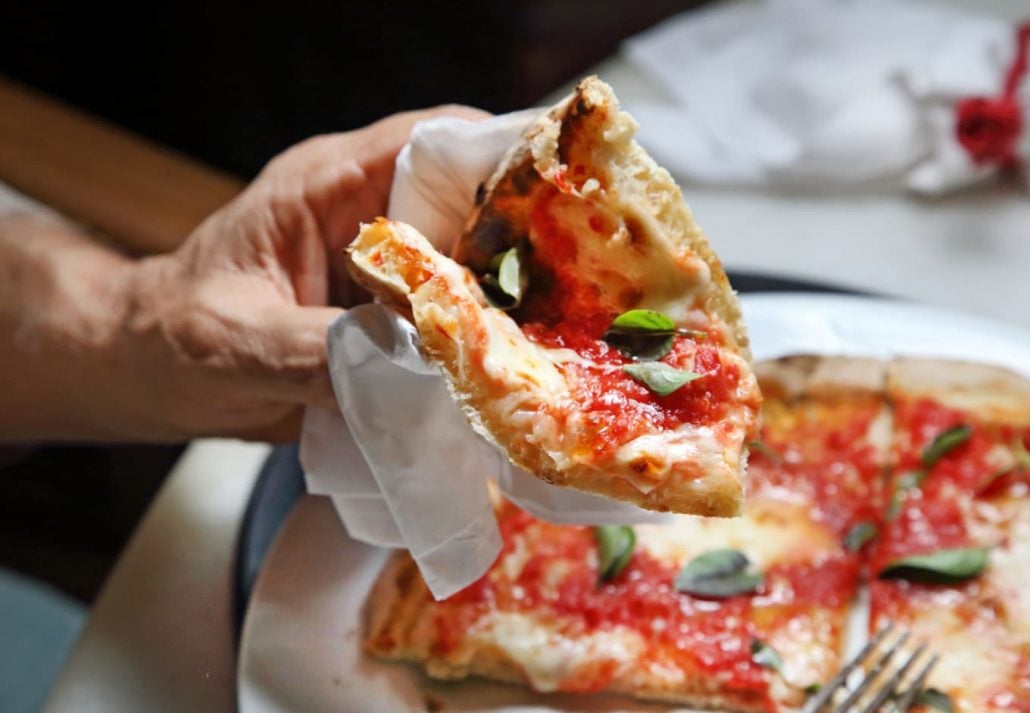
(283, 430)
(295, 363)
(346, 177)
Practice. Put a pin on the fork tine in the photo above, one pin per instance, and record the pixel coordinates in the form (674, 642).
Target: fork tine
(891, 684)
(905, 699)
(871, 675)
(823, 696)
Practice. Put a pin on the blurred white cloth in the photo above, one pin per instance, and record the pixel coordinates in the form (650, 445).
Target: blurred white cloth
(820, 93)
(402, 466)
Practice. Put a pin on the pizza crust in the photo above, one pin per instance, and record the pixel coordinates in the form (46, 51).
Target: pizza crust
(794, 378)
(989, 392)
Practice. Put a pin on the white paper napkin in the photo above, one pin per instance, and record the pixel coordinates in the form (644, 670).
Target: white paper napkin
(401, 465)
(820, 93)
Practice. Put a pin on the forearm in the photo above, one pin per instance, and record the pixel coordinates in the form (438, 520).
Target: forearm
(63, 301)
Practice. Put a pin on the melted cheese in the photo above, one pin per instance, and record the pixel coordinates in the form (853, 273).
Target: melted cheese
(695, 445)
(548, 657)
(771, 532)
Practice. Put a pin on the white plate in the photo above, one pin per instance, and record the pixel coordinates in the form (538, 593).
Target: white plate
(300, 651)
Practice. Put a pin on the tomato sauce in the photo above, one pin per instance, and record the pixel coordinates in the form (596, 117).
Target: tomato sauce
(563, 309)
(930, 516)
(824, 454)
(620, 407)
(559, 578)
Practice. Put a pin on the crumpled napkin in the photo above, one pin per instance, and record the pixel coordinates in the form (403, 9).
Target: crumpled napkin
(401, 464)
(821, 93)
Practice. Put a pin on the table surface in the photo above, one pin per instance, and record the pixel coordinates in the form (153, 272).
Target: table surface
(159, 637)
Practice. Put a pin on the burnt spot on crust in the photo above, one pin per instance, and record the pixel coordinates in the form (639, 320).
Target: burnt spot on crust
(637, 232)
(491, 234)
(480, 194)
(524, 178)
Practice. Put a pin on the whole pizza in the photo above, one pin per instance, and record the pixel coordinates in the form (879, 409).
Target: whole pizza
(910, 478)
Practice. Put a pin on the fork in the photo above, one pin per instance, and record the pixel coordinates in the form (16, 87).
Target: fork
(879, 672)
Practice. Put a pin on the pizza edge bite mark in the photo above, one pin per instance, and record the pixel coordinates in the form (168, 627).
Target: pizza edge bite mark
(519, 394)
(404, 623)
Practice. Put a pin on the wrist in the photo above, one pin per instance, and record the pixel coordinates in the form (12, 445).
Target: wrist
(60, 309)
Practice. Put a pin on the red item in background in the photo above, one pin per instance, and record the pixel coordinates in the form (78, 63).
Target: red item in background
(989, 128)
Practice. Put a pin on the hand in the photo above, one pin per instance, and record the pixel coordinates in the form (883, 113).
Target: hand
(225, 336)
(235, 321)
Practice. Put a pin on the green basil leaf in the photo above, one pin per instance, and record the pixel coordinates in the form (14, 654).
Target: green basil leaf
(766, 450)
(719, 574)
(1021, 453)
(812, 688)
(936, 699)
(661, 378)
(511, 278)
(859, 535)
(642, 334)
(614, 549)
(644, 346)
(642, 320)
(945, 442)
(940, 567)
(894, 506)
(911, 479)
(905, 482)
(765, 655)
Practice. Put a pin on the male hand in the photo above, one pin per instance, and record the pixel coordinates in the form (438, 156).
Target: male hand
(225, 336)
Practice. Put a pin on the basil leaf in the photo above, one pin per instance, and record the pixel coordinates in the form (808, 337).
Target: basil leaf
(905, 482)
(661, 378)
(911, 479)
(936, 699)
(641, 334)
(765, 655)
(945, 442)
(645, 334)
(511, 278)
(614, 549)
(859, 535)
(894, 506)
(940, 567)
(766, 450)
(642, 320)
(812, 688)
(1020, 452)
(647, 347)
(719, 574)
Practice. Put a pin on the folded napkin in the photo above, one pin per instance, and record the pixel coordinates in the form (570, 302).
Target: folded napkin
(834, 93)
(401, 465)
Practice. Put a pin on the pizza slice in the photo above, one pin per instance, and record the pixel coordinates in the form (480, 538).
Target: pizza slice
(586, 328)
(742, 614)
(952, 562)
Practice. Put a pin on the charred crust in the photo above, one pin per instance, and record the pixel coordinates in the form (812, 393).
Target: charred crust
(524, 178)
(636, 231)
(490, 235)
(480, 194)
